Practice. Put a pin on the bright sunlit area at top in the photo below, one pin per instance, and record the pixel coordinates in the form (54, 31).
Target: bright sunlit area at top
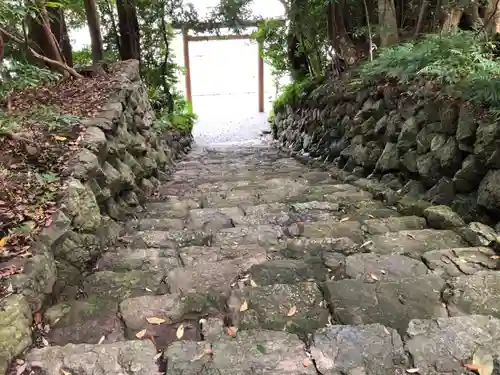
(224, 79)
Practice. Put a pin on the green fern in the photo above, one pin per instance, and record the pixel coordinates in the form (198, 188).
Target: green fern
(462, 62)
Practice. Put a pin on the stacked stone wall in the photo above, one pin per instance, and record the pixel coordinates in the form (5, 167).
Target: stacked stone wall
(413, 139)
(120, 161)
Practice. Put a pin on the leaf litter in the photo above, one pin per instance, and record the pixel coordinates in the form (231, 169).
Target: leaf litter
(38, 136)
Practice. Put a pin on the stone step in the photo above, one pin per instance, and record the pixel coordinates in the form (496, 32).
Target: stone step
(384, 236)
(88, 320)
(291, 192)
(118, 285)
(296, 308)
(474, 294)
(129, 259)
(288, 271)
(282, 213)
(270, 352)
(127, 357)
(349, 349)
(392, 303)
(414, 242)
(166, 259)
(460, 261)
(208, 175)
(168, 311)
(430, 342)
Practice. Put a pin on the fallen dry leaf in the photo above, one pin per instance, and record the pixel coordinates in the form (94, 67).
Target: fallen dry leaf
(141, 334)
(20, 369)
(231, 331)
(157, 356)
(484, 361)
(244, 306)
(180, 331)
(292, 311)
(344, 219)
(3, 241)
(366, 243)
(59, 138)
(253, 283)
(471, 366)
(305, 362)
(155, 320)
(207, 350)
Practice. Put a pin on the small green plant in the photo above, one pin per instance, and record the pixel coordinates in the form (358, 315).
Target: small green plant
(52, 119)
(181, 119)
(463, 63)
(272, 35)
(17, 75)
(8, 124)
(295, 92)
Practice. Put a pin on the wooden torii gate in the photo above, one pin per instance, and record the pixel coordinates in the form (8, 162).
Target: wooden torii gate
(194, 38)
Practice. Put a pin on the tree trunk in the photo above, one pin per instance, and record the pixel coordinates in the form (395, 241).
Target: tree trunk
(60, 31)
(164, 66)
(492, 17)
(109, 11)
(129, 30)
(94, 30)
(1, 49)
(46, 43)
(388, 23)
(337, 33)
(451, 19)
(421, 15)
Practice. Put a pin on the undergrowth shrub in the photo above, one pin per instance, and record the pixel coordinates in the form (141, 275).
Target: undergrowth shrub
(182, 118)
(18, 75)
(463, 64)
(296, 91)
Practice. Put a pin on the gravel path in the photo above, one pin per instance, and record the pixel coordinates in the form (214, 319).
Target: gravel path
(252, 263)
(221, 132)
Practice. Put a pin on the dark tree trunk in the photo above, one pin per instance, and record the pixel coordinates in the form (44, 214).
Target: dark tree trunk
(297, 59)
(60, 31)
(129, 30)
(337, 32)
(94, 30)
(41, 35)
(107, 9)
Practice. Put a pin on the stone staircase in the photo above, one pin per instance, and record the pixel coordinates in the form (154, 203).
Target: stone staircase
(252, 263)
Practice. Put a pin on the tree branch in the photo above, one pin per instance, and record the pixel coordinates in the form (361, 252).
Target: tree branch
(73, 72)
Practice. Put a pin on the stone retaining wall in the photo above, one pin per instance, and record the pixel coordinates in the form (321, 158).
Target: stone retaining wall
(411, 139)
(120, 162)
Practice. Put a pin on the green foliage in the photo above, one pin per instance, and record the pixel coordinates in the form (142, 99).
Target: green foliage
(295, 92)
(272, 35)
(182, 118)
(18, 75)
(46, 117)
(462, 63)
(82, 57)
